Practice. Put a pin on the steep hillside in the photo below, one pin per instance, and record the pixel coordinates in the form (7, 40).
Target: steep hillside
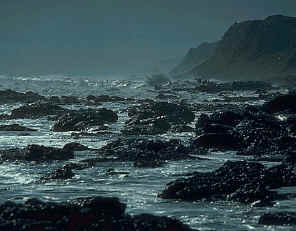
(255, 49)
(194, 57)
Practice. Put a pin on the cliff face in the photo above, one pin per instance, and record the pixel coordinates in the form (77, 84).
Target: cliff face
(194, 57)
(257, 49)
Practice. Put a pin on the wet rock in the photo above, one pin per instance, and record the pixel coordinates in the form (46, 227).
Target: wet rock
(105, 98)
(73, 146)
(250, 85)
(223, 141)
(62, 173)
(144, 163)
(181, 128)
(230, 118)
(148, 222)
(145, 150)
(151, 126)
(241, 181)
(10, 96)
(252, 192)
(15, 127)
(174, 113)
(156, 118)
(35, 153)
(280, 176)
(83, 119)
(278, 218)
(89, 213)
(36, 110)
(281, 103)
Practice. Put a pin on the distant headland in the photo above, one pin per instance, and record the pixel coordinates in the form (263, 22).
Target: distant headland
(251, 50)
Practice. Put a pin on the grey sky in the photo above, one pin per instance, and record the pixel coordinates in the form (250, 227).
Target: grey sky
(102, 36)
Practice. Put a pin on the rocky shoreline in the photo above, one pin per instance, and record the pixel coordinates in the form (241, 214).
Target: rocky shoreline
(261, 133)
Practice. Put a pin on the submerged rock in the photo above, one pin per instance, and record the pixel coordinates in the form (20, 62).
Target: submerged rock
(81, 120)
(62, 173)
(89, 213)
(278, 218)
(35, 152)
(15, 127)
(73, 146)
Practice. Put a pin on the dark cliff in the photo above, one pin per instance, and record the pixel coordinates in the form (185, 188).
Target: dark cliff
(255, 49)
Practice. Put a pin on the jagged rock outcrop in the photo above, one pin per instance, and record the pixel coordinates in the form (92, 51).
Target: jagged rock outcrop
(240, 181)
(156, 118)
(254, 49)
(89, 213)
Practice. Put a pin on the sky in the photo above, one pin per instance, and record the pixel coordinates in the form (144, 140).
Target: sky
(115, 36)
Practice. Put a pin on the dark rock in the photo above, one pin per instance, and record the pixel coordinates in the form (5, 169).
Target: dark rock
(145, 150)
(90, 213)
(278, 218)
(225, 141)
(15, 127)
(245, 182)
(253, 192)
(10, 96)
(36, 110)
(280, 176)
(105, 98)
(281, 103)
(81, 120)
(59, 174)
(144, 163)
(75, 147)
(174, 113)
(181, 128)
(151, 126)
(35, 153)
(156, 118)
(148, 222)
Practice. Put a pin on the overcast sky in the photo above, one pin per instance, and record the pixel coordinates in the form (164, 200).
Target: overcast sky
(115, 36)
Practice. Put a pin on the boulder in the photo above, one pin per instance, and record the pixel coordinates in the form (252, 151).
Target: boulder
(73, 146)
(174, 113)
(83, 119)
(36, 110)
(241, 181)
(9, 96)
(145, 150)
(223, 141)
(88, 213)
(281, 103)
(35, 152)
